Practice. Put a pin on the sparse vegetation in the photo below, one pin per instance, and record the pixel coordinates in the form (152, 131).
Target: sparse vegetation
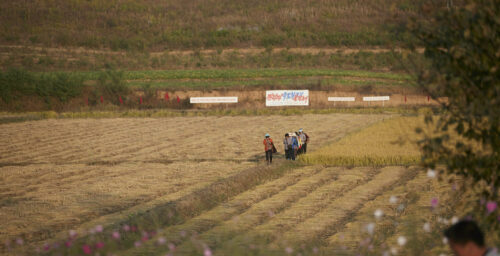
(78, 60)
(133, 25)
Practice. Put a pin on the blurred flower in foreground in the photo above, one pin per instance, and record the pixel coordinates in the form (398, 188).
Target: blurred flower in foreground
(491, 206)
(207, 252)
(434, 202)
(454, 220)
(393, 200)
(394, 251)
(72, 234)
(431, 173)
(98, 228)
(87, 249)
(126, 228)
(116, 235)
(162, 240)
(315, 250)
(427, 227)
(378, 213)
(401, 240)
(171, 247)
(370, 228)
(99, 245)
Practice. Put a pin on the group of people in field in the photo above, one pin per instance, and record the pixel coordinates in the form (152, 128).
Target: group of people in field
(295, 143)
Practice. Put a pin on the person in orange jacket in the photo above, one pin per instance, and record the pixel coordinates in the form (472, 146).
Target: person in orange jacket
(268, 147)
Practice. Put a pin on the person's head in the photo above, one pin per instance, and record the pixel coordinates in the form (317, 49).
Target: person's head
(286, 135)
(300, 130)
(465, 238)
(267, 135)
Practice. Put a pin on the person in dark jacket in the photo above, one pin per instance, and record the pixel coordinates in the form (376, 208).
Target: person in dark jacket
(304, 138)
(268, 147)
(288, 143)
(295, 145)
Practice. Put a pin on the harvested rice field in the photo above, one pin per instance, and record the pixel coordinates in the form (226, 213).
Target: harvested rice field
(200, 186)
(62, 174)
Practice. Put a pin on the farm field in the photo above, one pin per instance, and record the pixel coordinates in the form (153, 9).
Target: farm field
(106, 149)
(65, 174)
(183, 182)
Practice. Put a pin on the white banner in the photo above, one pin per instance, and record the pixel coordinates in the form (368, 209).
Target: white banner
(376, 98)
(341, 98)
(194, 100)
(287, 98)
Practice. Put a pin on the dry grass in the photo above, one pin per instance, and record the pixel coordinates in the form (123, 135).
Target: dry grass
(139, 25)
(74, 174)
(301, 206)
(413, 205)
(390, 142)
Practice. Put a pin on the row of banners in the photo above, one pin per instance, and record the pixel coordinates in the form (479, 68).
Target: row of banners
(283, 98)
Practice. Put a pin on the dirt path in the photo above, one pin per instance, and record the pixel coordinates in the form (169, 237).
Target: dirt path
(309, 50)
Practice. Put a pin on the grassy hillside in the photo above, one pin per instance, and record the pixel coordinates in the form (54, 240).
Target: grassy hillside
(187, 24)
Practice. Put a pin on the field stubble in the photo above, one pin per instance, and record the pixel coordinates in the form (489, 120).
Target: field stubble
(74, 174)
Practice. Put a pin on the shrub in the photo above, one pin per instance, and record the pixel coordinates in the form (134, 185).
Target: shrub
(111, 84)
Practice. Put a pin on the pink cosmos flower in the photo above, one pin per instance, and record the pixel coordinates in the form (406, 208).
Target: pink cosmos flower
(87, 249)
(171, 246)
(289, 250)
(137, 243)
(491, 206)
(434, 202)
(207, 252)
(115, 235)
(126, 227)
(98, 228)
(99, 245)
(68, 244)
(72, 234)
(162, 240)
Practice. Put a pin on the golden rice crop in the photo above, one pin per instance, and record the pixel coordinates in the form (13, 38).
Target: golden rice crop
(390, 142)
